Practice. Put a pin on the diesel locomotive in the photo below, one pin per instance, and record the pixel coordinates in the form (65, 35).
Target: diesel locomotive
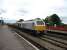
(35, 26)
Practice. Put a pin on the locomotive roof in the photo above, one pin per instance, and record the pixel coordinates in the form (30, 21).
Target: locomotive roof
(29, 21)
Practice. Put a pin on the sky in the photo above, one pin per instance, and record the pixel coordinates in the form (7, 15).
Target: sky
(30, 9)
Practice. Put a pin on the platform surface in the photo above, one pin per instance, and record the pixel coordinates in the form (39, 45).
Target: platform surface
(10, 41)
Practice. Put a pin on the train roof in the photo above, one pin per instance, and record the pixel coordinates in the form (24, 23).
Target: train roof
(29, 21)
(25, 21)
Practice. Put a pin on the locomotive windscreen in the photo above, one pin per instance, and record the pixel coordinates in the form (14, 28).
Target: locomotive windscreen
(40, 23)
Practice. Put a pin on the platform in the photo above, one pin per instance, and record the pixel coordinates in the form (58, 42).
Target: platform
(10, 41)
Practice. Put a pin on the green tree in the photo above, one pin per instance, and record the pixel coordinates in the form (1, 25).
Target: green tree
(53, 19)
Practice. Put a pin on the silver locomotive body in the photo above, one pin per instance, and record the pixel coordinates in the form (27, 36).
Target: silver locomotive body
(26, 24)
(34, 26)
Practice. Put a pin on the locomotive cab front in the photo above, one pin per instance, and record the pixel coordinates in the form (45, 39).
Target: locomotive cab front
(39, 26)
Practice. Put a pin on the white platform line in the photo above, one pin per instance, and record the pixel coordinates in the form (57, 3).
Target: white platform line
(28, 42)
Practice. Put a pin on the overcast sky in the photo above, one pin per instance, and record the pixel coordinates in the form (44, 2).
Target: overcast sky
(29, 9)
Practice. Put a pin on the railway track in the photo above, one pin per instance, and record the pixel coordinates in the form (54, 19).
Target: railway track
(57, 35)
(55, 41)
(45, 42)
